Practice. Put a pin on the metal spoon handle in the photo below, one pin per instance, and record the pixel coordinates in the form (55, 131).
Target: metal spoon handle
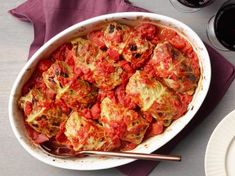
(155, 157)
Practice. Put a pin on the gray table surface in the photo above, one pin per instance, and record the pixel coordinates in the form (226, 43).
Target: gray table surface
(15, 38)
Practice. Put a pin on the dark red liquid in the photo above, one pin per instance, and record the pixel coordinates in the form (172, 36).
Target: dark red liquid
(195, 3)
(225, 26)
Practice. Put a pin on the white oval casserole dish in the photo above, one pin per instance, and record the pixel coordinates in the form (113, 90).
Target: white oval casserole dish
(148, 146)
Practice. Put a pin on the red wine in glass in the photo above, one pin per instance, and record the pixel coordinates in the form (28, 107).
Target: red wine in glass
(195, 3)
(224, 25)
(190, 5)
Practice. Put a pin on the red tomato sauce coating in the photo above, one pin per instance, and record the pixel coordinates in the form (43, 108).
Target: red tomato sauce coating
(111, 89)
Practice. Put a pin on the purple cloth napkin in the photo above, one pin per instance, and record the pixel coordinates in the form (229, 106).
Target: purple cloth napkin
(51, 17)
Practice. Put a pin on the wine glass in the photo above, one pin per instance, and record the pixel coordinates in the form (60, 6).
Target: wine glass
(190, 6)
(221, 27)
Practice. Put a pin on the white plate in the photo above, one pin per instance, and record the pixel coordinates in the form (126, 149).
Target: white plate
(220, 152)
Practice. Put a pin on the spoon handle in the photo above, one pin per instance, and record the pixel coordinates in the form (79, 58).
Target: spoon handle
(142, 156)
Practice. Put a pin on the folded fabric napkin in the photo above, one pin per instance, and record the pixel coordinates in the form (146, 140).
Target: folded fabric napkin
(51, 17)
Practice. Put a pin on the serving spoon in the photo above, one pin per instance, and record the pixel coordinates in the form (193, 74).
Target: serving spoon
(61, 151)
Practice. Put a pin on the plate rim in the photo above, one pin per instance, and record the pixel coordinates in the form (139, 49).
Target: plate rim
(213, 140)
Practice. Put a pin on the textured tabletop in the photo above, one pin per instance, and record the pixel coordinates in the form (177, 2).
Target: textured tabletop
(15, 38)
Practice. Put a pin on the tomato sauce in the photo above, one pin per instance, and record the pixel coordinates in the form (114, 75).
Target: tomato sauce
(101, 66)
